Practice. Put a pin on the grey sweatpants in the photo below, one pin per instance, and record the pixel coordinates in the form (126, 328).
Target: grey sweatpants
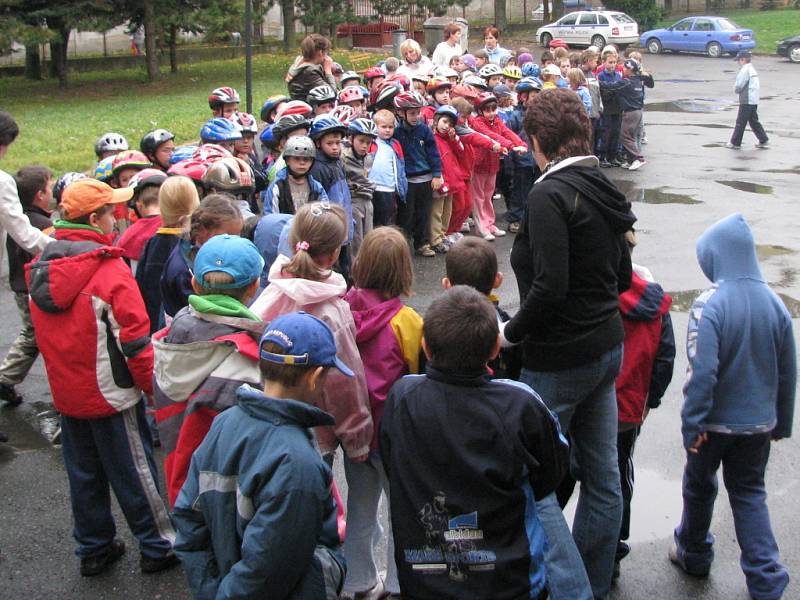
(631, 122)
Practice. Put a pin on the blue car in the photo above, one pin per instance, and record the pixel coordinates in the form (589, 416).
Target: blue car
(714, 36)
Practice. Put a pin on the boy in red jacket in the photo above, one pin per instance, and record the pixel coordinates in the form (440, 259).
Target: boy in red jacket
(487, 164)
(93, 332)
(454, 173)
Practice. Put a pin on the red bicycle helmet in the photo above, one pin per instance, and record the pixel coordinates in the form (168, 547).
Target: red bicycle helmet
(293, 107)
(372, 73)
(223, 95)
(382, 95)
(130, 159)
(193, 169)
(462, 90)
(405, 100)
(209, 153)
(484, 99)
(350, 94)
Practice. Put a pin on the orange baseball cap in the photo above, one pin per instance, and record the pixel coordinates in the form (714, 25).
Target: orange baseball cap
(90, 195)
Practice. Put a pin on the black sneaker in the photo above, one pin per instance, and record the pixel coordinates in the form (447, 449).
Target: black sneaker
(3, 437)
(10, 395)
(604, 164)
(94, 565)
(148, 564)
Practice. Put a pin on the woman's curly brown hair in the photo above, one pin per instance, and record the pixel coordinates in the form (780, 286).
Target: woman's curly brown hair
(558, 121)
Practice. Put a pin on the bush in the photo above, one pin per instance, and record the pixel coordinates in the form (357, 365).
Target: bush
(645, 12)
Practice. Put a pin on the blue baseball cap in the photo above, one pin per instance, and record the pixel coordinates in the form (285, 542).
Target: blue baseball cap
(501, 90)
(231, 254)
(304, 339)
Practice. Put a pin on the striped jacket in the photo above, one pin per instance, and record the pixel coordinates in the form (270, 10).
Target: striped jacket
(200, 362)
(91, 325)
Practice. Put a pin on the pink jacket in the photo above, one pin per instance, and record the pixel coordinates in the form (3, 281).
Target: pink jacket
(389, 337)
(345, 398)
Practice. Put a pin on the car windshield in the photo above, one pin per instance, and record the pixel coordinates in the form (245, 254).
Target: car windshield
(726, 25)
(621, 18)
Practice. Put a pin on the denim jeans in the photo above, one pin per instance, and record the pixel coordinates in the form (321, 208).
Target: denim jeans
(366, 481)
(744, 460)
(585, 401)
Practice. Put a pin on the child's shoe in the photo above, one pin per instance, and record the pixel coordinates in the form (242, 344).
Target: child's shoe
(426, 250)
(488, 237)
(98, 563)
(636, 164)
(10, 395)
(604, 164)
(441, 248)
(733, 146)
(762, 144)
(148, 564)
(498, 232)
(513, 227)
(678, 557)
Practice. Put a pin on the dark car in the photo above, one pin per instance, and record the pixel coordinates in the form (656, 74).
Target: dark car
(790, 48)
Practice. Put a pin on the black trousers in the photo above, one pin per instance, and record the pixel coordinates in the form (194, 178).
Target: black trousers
(414, 216)
(384, 208)
(748, 115)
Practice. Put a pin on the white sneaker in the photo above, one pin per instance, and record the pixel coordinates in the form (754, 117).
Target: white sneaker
(636, 164)
(644, 141)
(762, 144)
(733, 146)
(488, 237)
(498, 232)
(465, 227)
(497, 197)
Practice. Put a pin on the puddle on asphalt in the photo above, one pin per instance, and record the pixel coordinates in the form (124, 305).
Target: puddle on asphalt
(691, 105)
(682, 301)
(655, 509)
(636, 193)
(683, 80)
(748, 186)
(793, 170)
(766, 251)
(714, 145)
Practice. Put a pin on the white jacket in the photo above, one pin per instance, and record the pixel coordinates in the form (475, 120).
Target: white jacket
(15, 222)
(747, 85)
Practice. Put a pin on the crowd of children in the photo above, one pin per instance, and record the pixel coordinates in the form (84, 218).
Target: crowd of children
(270, 274)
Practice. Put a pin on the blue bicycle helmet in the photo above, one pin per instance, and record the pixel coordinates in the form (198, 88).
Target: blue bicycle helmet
(182, 153)
(219, 129)
(325, 124)
(445, 110)
(104, 169)
(267, 138)
(528, 84)
(531, 69)
(363, 126)
(364, 91)
(271, 104)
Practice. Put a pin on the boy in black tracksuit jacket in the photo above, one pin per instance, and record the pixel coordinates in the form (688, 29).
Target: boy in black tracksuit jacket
(466, 457)
(630, 94)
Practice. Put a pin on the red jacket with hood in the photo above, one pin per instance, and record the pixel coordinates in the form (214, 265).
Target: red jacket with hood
(454, 162)
(487, 161)
(644, 307)
(91, 324)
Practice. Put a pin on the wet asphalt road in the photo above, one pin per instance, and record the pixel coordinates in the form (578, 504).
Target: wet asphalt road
(690, 181)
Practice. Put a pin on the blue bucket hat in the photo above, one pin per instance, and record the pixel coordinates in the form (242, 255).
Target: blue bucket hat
(231, 254)
(304, 339)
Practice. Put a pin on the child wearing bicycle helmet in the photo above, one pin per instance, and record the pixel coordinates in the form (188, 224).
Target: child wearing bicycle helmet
(223, 101)
(271, 106)
(327, 133)
(245, 148)
(158, 146)
(361, 135)
(146, 185)
(222, 132)
(351, 96)
(109, 144)
(423, 170)
(322, 99)
(294, 186)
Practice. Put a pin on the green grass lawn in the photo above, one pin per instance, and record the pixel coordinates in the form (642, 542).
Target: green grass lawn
(769, 26)
(58, 127)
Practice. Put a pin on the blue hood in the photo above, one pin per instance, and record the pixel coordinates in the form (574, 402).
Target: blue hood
(727, 251)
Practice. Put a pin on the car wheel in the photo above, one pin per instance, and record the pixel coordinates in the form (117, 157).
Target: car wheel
(714, 50)
(598, 41)
(546, 39)
(794, 53)
(654, 46)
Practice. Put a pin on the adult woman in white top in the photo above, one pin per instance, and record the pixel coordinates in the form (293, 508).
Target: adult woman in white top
(414, 62)
(450, 47)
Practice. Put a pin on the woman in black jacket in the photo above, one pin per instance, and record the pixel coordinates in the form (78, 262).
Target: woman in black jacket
(571, 263)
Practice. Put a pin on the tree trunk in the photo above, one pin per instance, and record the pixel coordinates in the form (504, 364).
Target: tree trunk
(500, 19)
(33, 62)
(287, 12)
(150, 34)
(58, 51)
(173, 48)
(558, 10)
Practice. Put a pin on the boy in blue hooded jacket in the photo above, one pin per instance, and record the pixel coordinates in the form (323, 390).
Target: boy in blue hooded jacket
(739, 395)
(256, 517)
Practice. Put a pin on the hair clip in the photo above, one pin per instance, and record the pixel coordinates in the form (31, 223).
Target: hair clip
(302, 245)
